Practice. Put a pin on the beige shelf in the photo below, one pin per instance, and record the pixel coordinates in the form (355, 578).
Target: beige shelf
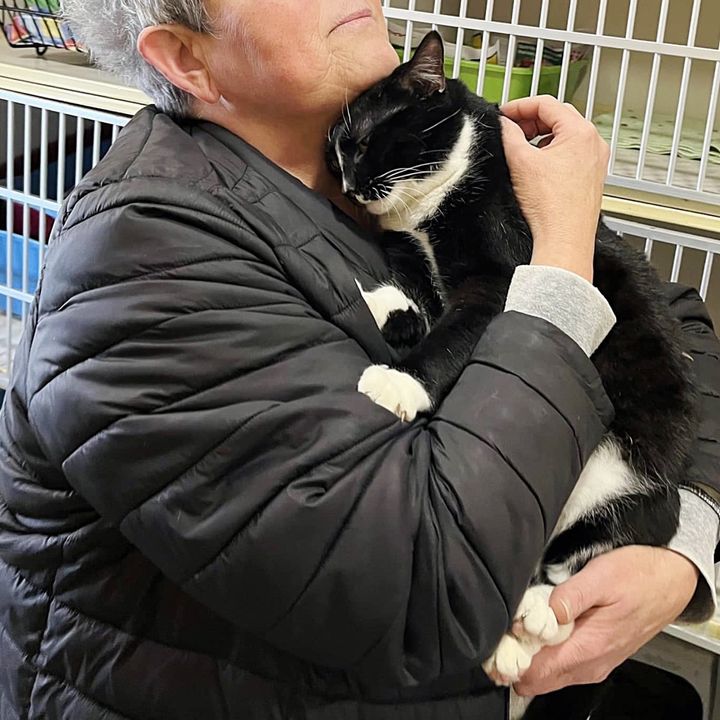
(658, 211)
(67, 77)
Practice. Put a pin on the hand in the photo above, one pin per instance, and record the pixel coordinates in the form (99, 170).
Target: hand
(619, 601)
(559, 185)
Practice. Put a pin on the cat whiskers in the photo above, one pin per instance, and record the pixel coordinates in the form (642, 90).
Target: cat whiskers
(399, 171)
(435, 152)
(406, 195)
(449, 117)
(347, 119)
(414, 195)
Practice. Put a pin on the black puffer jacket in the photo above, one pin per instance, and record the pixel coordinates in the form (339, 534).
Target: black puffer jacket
(201, 519)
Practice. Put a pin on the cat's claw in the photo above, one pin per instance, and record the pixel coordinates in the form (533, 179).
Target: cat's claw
(394, 390)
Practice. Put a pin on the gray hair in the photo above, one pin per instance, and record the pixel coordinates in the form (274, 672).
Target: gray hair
(109, 29)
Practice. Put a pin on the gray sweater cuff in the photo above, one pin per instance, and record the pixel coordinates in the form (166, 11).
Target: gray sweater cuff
(564, 299)
(696, 539)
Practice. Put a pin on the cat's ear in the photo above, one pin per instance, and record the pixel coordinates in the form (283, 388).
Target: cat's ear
(425, 73)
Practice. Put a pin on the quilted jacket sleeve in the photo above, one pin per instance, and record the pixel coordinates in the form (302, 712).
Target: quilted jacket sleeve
(195, 398)
(704, 346)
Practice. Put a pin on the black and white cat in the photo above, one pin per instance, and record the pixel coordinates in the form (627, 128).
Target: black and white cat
(424, 155)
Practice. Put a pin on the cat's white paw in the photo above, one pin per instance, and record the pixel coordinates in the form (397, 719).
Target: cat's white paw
(396, 391)
(518, 705)
(511, 659)
(537, 618)
(384, 300)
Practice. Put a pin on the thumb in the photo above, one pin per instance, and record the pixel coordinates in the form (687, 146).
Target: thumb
(578, 595)
(514, 141)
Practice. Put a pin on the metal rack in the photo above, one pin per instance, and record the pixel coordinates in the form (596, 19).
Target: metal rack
(47, 147)
(652, 85)
(37, 24)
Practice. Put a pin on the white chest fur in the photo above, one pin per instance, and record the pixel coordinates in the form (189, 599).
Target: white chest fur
(412, 202)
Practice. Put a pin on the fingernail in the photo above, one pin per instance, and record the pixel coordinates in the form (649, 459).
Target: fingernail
(568, 615)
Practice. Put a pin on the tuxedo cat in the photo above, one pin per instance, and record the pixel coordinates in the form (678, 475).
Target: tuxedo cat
(424, 155)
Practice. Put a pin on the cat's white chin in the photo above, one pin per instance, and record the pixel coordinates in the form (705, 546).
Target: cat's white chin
(378, 207)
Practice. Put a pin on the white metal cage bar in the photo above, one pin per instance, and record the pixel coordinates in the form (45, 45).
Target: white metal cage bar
(567, 50)
(649, 70)
(47, 147)
(512, 45)
(677, 261)
(682, 99)
(620, 99)
(489, 8)
(539, 48)
(595, 67)
(652, 91)
(532, 31)
(711, 115)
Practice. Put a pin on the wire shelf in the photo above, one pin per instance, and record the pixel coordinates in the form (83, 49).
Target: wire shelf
(37, 24)
(647, 73)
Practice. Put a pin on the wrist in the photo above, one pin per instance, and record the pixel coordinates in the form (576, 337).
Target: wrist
(568, 258)
(685, 576)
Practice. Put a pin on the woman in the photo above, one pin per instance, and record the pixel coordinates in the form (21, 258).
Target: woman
(201, 517)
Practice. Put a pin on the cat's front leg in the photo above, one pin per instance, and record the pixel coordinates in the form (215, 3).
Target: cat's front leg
(402, 325)
(398, 317)
(396, 391)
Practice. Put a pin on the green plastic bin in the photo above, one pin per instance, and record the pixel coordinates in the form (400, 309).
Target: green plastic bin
(521, 80)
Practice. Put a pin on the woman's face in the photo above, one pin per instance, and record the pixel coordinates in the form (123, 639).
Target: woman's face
(298, 56)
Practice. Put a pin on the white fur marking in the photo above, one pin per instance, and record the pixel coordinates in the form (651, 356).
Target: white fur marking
(423, 239)
(384, 300)
(412, 201)
(518, 705)
(340, 162)
(535, 613)
(558, 573)
(514, 654)
(396, 391)
(511, 659)
(605, 477)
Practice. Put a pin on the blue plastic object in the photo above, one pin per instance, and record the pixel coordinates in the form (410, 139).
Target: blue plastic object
(33, 261)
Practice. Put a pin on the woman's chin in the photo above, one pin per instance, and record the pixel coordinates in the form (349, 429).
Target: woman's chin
(372, 68)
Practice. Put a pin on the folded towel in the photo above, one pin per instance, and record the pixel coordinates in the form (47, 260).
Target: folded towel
(660, 139)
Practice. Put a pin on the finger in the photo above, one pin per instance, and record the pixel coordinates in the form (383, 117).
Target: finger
(583, 591)
(529, 128)
(582, 675)
(557, 667)
(545, 111)
(514, 139)
(545, 141)
(549, 671)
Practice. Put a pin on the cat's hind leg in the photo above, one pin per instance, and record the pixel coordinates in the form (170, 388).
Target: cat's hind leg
(535, 626)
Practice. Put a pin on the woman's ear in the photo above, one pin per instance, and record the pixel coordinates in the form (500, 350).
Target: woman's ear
(177, 53)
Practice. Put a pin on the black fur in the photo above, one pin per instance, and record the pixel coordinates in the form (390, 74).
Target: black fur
(479, 236)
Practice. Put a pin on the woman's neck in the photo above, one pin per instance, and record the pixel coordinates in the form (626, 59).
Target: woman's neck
(299, 148)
